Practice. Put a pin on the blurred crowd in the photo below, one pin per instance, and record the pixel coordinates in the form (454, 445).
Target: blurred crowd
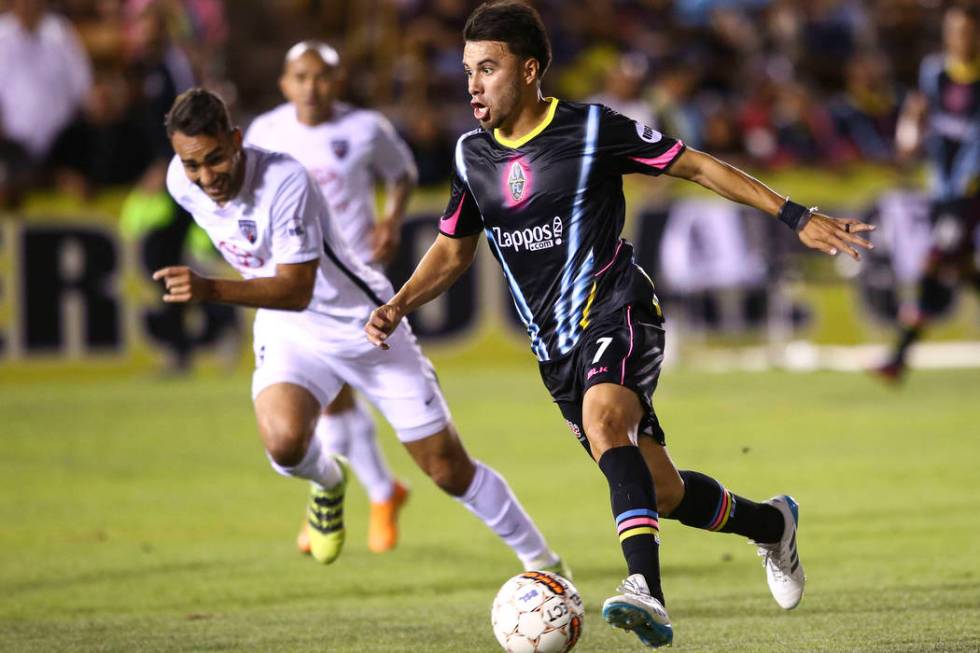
(764, 83)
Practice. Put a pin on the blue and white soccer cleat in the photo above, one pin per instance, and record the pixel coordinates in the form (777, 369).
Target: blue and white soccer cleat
(781, 559)
(635, 610)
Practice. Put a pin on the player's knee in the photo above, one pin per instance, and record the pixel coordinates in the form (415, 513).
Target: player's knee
(285, 440)
(606, 429)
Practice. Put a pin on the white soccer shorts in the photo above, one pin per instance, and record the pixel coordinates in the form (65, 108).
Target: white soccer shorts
(399, 381)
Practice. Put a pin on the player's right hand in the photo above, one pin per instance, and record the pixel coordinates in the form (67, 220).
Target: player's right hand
(382, 323)
(183, 285)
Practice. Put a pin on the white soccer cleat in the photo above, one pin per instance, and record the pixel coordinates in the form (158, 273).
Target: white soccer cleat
(634, 609)
(781, 559)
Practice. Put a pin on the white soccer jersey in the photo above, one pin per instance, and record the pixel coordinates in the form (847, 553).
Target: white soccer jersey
(345, 156)
(279, 217)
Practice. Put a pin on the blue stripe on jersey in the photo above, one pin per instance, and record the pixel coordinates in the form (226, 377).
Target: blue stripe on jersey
(460, 160)
(527, 317)
(575, 284)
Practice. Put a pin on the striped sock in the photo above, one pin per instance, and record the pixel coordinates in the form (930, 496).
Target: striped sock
(709, 506)
(634, 508)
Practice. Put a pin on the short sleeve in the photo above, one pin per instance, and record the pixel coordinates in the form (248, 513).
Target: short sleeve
(295, 220)
(462, 217)
(390, 156)
(627, 146)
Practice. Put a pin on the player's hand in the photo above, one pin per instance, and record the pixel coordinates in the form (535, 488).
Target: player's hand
(834, 235)
(382, 323)
(385, 239)
(182, 284)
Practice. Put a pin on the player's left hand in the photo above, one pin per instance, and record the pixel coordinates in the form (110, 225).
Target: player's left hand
(385, 239)
(834, 235)
(182, 284)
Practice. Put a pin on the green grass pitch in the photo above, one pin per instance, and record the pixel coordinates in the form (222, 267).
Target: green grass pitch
(140, 515)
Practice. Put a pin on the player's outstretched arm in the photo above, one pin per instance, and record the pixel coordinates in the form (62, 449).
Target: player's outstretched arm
(436, 272)
(816, 230)
(290, 289)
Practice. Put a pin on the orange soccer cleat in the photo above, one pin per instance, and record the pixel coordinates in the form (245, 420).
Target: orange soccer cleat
(383, 530)
(303, 539)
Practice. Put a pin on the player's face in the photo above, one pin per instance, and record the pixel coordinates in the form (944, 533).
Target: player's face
(960, 35)
(214, 163)
(494, 81)
(310, 85)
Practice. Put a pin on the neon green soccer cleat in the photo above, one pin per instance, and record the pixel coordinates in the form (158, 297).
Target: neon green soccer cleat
(325, 517)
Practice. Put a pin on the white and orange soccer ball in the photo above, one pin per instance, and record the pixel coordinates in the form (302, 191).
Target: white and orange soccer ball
(537, 612)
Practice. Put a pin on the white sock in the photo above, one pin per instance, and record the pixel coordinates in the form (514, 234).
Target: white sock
(318, 465)
(352, 434)
(491, 499)
(333, 433)
(366, 457)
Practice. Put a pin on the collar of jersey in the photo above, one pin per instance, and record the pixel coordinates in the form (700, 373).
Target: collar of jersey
(517, 142)
(963, 73)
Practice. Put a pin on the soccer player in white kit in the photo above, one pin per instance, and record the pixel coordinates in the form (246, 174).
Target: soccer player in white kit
(345, 150)
(270, 222)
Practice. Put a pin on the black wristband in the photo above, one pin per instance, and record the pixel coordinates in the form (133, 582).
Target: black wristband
(793, 215)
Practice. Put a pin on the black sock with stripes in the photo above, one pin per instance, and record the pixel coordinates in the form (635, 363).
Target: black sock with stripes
(708, 505)
(634, 507)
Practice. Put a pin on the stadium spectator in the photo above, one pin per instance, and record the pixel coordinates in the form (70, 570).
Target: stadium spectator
(46, 76)
(623, 89)
(865, 113)
(105, 146)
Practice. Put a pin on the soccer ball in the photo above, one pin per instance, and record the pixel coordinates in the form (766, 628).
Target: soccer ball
(537, 612)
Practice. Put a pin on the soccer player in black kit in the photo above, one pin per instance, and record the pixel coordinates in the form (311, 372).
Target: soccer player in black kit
(943, 118)
(542, 179)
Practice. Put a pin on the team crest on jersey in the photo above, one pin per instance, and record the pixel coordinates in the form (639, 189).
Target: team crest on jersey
(249, 230)
(340, 147)
(516, 182)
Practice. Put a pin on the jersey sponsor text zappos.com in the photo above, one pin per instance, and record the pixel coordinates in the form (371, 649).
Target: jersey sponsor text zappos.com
(532, 239)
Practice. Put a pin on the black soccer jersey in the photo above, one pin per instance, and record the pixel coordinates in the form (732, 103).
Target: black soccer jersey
(953, 140)
(552, 207)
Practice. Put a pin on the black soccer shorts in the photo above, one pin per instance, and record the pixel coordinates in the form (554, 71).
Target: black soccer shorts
(625, 348)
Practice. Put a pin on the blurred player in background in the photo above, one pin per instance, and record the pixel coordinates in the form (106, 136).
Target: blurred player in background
(542, 178)
(943, 118)
(270, 222)
(346, 150)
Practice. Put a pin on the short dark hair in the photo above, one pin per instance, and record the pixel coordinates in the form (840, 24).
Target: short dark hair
(198, 111)
(512, 22)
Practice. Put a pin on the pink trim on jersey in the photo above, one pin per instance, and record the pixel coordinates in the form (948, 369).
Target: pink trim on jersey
(448, 225)
(611, 261)
(622, 377)
(663, 160)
